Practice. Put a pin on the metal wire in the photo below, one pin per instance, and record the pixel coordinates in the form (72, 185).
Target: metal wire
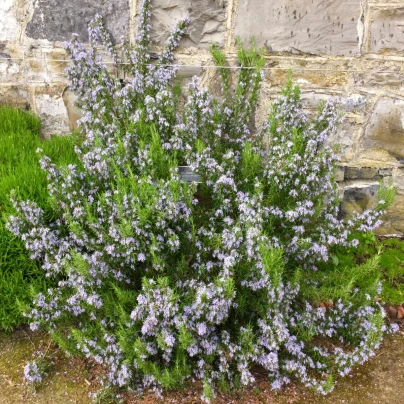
(62, 61)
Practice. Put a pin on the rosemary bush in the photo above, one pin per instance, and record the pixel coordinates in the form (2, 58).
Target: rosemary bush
(162, 281)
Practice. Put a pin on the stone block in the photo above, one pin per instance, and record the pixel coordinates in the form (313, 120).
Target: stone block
(375, 158)
(8, 23)
(53, 114)
(398, 180)
(9, 69)
(393, 222)
(315, 27)
(15, 96)
(353, 173)
(352, 102)
(371, 78)
(57, 61)
(340, 174)
(385, 172)
(57, 20)
(311, 77)
(73, 112)
(387, 34)
(386, 127)
(189, 71)
(358, 197)
(207, 21)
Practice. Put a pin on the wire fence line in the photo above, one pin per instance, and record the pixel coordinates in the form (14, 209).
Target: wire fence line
(269, 68)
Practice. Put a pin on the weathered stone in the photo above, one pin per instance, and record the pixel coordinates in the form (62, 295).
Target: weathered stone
(73, 112)
(189, 71)
(352, 102)
(316, 27)
(8, 22)
(15, 95)
(375, 157)
(398, 179)
(382, 76)
(53, 113)
(57, 20)
(362, 173)
(358, 197)
(207, 21)
(386, 127)
(9, 69)
(57, 61)
(312, 77)
(340, 174)
(387, 34)
(393, 222)
(385, 172)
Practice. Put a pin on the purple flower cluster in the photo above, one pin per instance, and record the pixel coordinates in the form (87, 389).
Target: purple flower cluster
(34, 372)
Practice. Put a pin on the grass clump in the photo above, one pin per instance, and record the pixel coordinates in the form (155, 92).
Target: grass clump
(20, 276)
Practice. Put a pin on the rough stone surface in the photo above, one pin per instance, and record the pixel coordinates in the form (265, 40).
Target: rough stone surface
(393, 222)
(394, 219)
(362, 173)
(56, 20)
(398, 177)
(52, 111)
(380, 77)
(387, 33)
(375, 158)
(8, 22)
(358, 197)
(16, 96)
(352, 102)
(316, 26)
(386, 127)
(340, 174)
(207, 20)
(73, 112)
(9, 69)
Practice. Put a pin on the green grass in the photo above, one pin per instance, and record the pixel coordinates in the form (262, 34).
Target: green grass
(392, 262)
(19, 170)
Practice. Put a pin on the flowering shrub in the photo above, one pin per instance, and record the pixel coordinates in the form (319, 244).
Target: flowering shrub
(160, 280)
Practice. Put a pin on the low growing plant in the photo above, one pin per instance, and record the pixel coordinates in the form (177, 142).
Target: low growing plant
(391, 263)
(36, 371)
(162, 281)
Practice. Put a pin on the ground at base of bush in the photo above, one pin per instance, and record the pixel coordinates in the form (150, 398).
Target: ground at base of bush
(71, 380)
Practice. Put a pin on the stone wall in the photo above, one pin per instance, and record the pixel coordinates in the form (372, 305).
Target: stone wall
(353, 49)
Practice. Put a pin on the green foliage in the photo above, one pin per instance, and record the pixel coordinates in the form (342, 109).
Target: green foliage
(105, 396)
(220, 60)
(21, 277)
(392, 264)
(386, 195)
(344, 281)
(387, 258)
